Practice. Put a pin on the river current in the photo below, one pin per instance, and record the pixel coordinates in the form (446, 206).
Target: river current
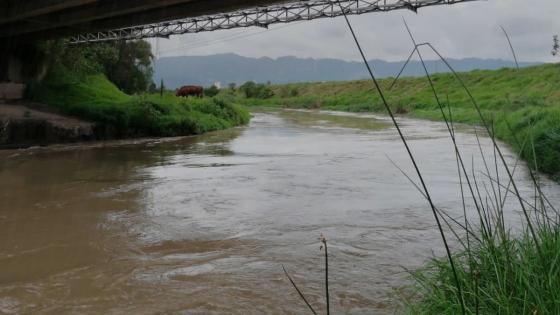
(203, 225)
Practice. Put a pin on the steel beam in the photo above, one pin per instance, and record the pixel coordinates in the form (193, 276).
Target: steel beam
(260, 16)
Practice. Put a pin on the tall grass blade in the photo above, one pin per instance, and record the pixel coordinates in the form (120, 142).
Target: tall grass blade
(323, 240)
(424, 187)
(402, 69)
(441, 212)
(451, 133)
(494, 143)
(511, 47)
(299, 291)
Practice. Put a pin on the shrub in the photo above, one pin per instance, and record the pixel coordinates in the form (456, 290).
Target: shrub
(211, 91)
(253, 90)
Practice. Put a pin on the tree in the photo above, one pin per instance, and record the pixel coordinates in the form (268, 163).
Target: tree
(254, 90)
(152, 89)
(133, 71)
(555, 46)
(211, 91)
(249, 89)
(79, 59)
(127, 64)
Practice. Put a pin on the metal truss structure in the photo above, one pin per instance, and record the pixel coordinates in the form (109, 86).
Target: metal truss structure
(260, 16)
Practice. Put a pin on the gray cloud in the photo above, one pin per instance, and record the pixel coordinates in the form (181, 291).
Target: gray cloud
(459, 31)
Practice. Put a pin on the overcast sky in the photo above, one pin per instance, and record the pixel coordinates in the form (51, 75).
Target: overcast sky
(463, 30)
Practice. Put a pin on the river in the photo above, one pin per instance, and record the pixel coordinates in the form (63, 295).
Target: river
(203, 225)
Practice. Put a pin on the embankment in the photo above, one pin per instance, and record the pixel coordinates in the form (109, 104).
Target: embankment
(524, 105)
(99, 110)
(24, 124)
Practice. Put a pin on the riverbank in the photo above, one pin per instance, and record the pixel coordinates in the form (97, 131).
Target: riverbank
(523, 105)
(24, 124)
(92, 108)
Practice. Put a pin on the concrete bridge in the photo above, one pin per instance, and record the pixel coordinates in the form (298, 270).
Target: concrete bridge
(43, 19)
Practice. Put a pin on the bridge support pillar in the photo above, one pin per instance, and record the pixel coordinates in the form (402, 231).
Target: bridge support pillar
(19, 64)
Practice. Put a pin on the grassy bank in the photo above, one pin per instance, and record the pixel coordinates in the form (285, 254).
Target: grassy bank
(94, 98)
(522, 104)
(501, 274)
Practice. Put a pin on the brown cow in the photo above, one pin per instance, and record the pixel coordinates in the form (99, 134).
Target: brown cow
(190, 90)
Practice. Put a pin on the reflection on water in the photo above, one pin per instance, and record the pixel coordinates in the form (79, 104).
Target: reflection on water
(201, 225)
(325, 119)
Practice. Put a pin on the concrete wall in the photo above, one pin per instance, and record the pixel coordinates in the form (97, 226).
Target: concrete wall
(12, 79)
(19, 64)
(15, 70)
(12, 91)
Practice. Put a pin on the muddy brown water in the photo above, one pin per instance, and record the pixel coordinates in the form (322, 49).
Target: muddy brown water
(202, 225)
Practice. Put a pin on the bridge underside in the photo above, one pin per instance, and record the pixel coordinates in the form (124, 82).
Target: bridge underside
(22, 22)
(44, 19)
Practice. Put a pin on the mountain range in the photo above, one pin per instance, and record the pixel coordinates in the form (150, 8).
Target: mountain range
(230, 68)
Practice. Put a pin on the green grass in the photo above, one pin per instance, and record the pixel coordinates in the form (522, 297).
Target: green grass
(519, 103)
(501, 275)
(116, 114)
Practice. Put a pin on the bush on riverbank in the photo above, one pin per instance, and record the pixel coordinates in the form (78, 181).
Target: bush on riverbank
(94, 98)
(521, 103)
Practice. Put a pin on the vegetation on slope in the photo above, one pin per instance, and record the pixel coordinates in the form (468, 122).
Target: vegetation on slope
(117, 114)
(92, 82)
(522, 104)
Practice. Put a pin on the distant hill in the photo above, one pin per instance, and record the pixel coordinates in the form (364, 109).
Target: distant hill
(226, 68)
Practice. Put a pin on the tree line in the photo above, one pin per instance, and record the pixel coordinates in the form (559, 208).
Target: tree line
(128, 64)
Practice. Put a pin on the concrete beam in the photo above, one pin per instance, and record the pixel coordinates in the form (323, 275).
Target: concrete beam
(189, 9)
(85, 13)
(16, 10)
